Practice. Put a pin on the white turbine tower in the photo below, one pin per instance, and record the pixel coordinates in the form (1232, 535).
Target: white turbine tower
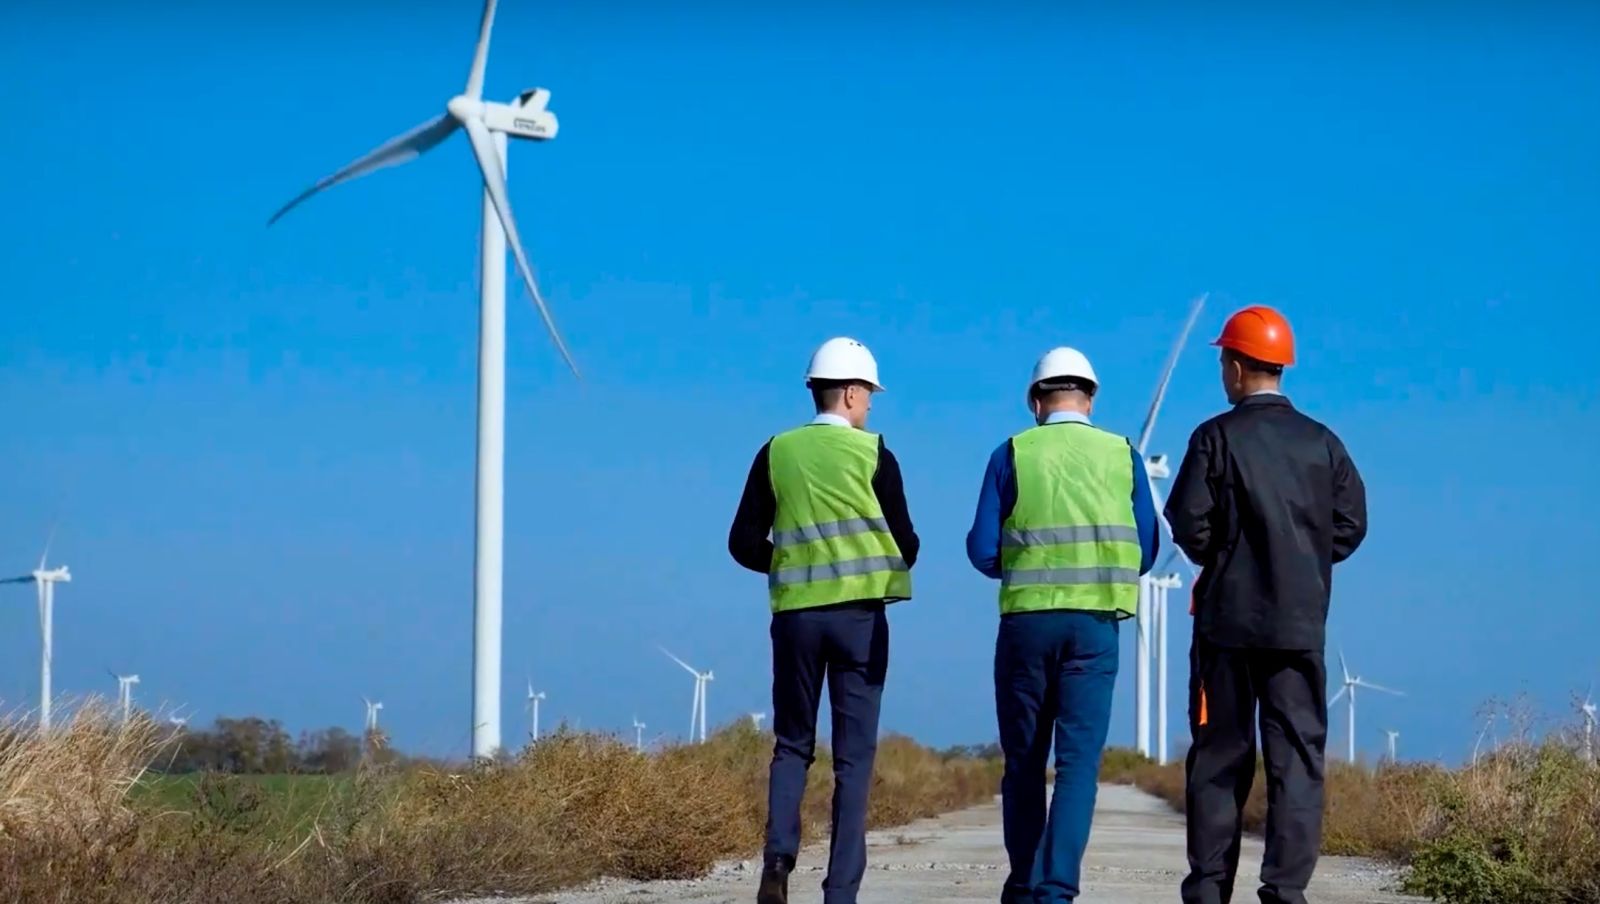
(125, 685)
(1156, 469)
(487, 125)
(372, 720)
(1351, 682)
(697, 712)
(44, 580)
(533, 711)
(1588, 710)
(1160, 588)
(1394, 738)
(756, 719)
(638, 735)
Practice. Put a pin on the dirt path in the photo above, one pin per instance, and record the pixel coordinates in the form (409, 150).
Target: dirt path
(1135, 857)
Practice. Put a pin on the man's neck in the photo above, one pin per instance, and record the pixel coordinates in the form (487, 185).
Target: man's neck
(1063, 415)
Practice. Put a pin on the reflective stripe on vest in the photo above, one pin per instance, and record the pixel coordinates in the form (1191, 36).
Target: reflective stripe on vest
(1081, 533)
(806, 574)
(831, 529)
(1071, 540)
(830, 541)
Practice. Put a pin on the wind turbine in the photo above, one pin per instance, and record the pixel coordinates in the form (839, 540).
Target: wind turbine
(756, 719)
(487, 125)
(638, 735)
(1351, 682)
(698, 710)
(533, 709)
(1587, 708)
(1394, 737)
(44, 580)
(1149, 613)
(125, 685)
(178, 721)
(371, 730)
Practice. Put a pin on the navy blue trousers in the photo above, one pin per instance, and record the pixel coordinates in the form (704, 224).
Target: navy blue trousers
(848, 647)
(1053, 676)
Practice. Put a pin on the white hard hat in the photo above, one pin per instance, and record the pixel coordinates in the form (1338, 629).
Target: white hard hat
(1063, 364)
(844, 358)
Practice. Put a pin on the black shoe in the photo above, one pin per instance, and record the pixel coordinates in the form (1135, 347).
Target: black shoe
(774, 882)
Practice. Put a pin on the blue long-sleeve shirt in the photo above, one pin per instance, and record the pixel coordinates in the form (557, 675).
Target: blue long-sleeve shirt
(998, 497)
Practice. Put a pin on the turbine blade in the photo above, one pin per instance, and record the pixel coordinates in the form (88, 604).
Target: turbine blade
(686, 666)
(26, 579)
(1343, 667)
(49, 541)
(1378, 687)
(480, 56)
(1165, 525)
(494, 182)
(393, 152)
(1339, 696)
(1166, 373)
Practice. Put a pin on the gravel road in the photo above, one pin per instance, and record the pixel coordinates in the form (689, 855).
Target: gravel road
(1135, 857)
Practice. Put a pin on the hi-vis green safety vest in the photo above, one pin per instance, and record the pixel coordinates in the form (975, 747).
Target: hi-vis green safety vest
(1071, 541)
(830, 541)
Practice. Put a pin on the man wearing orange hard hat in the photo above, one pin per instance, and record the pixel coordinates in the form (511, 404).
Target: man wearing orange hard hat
(1266, 501)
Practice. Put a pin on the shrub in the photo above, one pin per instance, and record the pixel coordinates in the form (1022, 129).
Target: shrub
(81, 822)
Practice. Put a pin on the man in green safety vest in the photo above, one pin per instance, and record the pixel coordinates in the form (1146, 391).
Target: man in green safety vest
(824, 517)
(1066, 522)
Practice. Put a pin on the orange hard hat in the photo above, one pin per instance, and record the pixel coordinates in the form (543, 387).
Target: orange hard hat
(1259, 332)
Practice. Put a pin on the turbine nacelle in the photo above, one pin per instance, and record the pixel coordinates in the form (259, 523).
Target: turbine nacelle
(1157, 467)
(527, 117)
(533, 122)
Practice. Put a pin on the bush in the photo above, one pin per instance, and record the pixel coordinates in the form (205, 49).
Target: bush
(81, 822)
(1520, 827)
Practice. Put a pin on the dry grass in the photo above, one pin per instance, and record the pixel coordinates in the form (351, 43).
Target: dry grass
(572, 808)
(1522, 826)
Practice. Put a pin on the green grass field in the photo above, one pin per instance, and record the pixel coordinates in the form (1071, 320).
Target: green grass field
(276, 803)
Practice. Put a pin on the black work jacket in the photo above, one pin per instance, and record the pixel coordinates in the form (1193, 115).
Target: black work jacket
(1265, 502)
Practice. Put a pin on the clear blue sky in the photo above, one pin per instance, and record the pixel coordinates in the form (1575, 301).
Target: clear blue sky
(260, 442)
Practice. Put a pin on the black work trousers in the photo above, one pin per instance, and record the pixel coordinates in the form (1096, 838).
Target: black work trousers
(1226, 686)
(848, 646)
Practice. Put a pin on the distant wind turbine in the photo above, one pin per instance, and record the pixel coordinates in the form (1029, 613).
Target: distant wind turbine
(533, 711)
(756, 719)
(1394, 737)
(1588, 710)
(698, 710)
(125, 685)
(44, 580)
(1350, 683)
(371, 732)
(487, 125)
(1160, 590)
(638, 735)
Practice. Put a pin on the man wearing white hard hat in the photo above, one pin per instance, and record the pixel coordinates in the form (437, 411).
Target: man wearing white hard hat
(1066, 522)
(824, 517)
